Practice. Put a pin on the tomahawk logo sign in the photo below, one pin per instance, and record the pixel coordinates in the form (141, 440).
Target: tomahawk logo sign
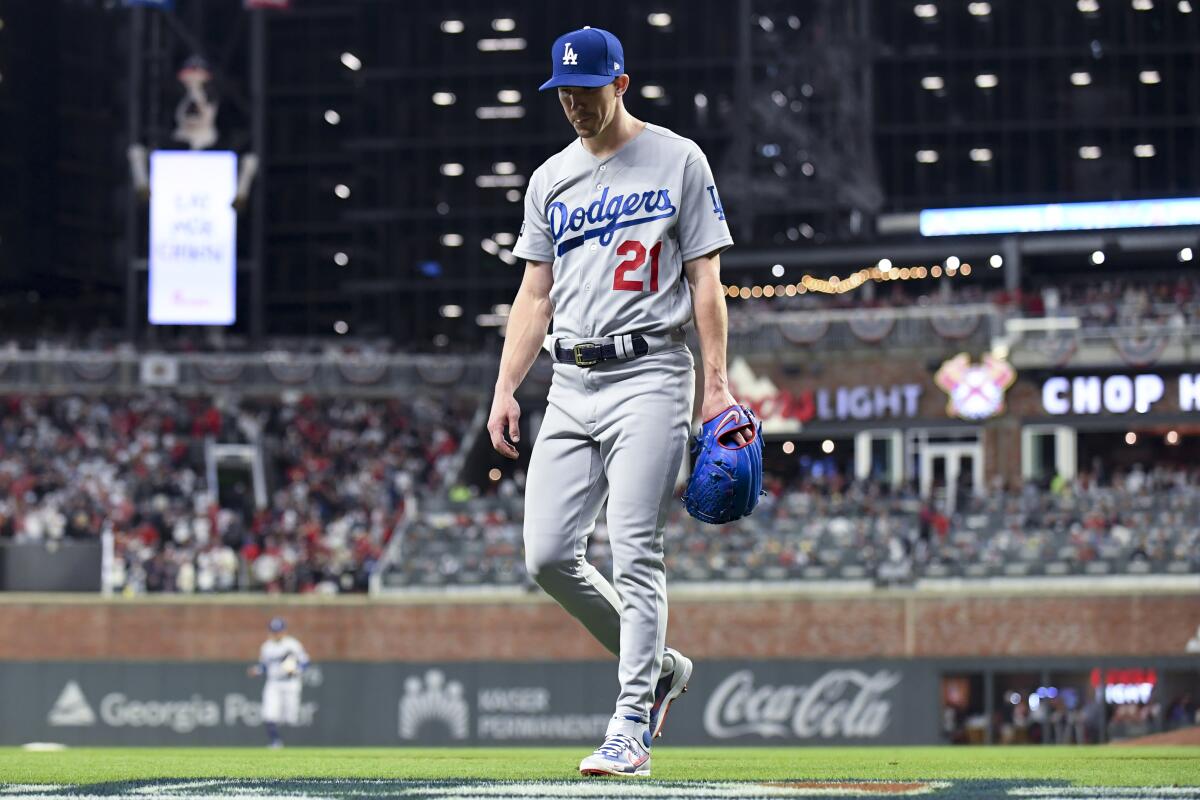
(976, 391)
(71, 709)
(840, 704)
(434, 699)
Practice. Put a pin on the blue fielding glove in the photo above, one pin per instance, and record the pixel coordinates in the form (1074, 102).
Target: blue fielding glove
(727, 477)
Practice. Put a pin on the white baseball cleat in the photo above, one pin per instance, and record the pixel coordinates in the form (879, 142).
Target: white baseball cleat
(670, 685)
(625, 752)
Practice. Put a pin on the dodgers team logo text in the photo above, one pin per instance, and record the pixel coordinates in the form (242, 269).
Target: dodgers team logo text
(656, 203)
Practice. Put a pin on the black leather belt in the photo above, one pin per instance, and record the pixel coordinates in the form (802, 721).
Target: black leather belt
(589, 354)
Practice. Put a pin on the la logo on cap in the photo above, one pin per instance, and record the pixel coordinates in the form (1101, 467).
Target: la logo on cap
(569, 55)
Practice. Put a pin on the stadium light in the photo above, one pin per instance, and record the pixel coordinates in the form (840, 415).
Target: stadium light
(1089, 152)
(1087, 6)
(1081, 78)
(341, 328)
(1144, 151)
(885, 265)
(986, 80)
(1060, 217)
(451, 311)
(927, 156)
(926, 10)
(1097, 257)
(952, 263)
(452, 240)
(503, 44)
(1131, 438)
(701, 100)
(827, 446)
(453, 26)
(1185, 254)
(933, 83)
(342, 191)
(490, 247)
(979, 9)
(997, 261)
(332, 117)
(1143, 5)
(444, 98)
(499, 181)
(341, 259)
(451, 169)
(789, 448)
(512, 196)
(351, 62)
(504, 168)
(659, 19)
(1150, 77)
(652, 91)
(500, 112)
(981, 154)
(1172, 437)
(506, 239)
(1184, 6)
(504, 24)
(777, 270)
(508, 96)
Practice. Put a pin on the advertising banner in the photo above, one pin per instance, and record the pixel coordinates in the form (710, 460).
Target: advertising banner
(193, 237)
(465, 703)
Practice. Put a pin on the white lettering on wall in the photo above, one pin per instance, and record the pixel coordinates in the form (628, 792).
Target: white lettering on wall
(842, 703)
(1115, 394)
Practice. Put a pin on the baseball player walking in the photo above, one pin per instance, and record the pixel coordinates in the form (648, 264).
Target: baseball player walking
(282, 660)
(622, 235)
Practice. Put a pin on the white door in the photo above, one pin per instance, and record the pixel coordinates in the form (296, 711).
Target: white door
(951, 469)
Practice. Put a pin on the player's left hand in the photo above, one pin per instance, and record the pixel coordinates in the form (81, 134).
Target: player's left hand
(714, 403)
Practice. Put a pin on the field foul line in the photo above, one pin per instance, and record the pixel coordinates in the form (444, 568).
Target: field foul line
(346, 789)
(1052, 792)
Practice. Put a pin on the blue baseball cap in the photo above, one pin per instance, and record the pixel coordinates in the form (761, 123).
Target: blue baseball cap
(277, 624)
(588, 57)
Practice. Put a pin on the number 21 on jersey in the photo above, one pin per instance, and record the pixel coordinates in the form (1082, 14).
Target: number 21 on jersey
(635, 255)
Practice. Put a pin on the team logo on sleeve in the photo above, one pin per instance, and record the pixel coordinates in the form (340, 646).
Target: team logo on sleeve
(718, 209)
(608, 215)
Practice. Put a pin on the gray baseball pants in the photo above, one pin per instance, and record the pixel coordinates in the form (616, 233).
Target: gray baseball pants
(617, 431)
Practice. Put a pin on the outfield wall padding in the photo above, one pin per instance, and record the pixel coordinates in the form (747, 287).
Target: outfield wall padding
(883, 625)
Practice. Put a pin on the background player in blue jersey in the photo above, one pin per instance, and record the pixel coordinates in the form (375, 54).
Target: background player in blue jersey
(282, 660)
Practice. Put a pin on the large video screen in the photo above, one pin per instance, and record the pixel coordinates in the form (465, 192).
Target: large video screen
(193, 237)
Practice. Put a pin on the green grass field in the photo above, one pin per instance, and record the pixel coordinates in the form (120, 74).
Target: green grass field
(1092, 766)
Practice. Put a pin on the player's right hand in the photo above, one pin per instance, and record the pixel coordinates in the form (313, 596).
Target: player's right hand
(505, 419)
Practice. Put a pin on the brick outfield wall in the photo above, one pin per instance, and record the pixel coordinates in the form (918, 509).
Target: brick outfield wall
(888, 625)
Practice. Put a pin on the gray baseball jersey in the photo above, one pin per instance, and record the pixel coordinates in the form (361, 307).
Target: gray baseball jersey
(618, 230)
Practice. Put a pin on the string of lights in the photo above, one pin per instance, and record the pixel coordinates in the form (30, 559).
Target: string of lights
(882, 272)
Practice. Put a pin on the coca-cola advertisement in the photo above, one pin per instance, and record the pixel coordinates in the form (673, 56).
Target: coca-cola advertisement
(799, 702)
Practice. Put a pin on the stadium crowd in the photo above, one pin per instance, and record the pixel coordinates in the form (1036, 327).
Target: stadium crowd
(338, 474)
(831, 528)
(134, 468)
